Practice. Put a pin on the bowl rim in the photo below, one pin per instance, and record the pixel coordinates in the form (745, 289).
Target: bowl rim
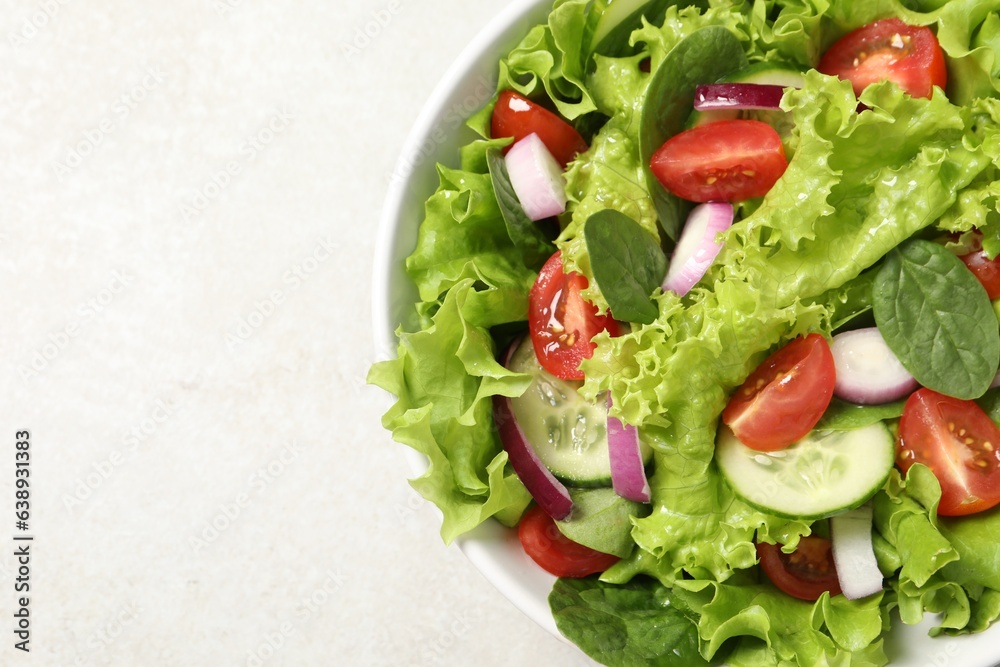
(513, 575)
(519, 585)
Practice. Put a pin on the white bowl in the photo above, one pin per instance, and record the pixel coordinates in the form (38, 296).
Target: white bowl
(494, 550)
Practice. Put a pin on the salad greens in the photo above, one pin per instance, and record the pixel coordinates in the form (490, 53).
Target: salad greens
(801, 260)
(937, 319)
(628, 265)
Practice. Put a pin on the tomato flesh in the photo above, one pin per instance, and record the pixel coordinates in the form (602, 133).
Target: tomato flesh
(561, 323)
(784, 397)
(986, 270)
(729, 160)
(959, 443)
(556, 553)
(806, 573)
(888, 50)
(516, 116)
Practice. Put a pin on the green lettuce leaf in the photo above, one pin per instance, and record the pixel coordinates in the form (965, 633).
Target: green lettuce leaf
(772, 628)
(444, 378)
(945, 566)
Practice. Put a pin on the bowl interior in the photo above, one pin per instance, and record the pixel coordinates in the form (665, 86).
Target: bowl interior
(436, 137)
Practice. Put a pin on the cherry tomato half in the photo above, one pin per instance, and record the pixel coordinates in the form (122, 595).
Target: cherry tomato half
(516, 116)
(556, 553)
(986, 270)
(729, 160)
(888, 50)
(561, 323)
(784, 397)
(959, 443)
(806, 573)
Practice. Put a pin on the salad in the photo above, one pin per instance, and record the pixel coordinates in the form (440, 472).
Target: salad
(705, 315)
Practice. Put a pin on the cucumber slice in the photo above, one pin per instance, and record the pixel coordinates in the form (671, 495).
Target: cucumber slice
(618, 13)
(775, 74)
(568, 432)
(825, 473)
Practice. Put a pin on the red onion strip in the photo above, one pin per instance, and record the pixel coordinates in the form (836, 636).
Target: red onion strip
(628, 475)
(697, 247)
(716, 96)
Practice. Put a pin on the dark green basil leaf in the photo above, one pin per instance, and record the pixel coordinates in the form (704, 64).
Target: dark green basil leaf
(638, 623)
(936, 317)
(844, 416)
(523, 231)
(627, 263)
(704, 56)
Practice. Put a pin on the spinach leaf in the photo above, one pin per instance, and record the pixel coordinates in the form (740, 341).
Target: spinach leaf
(523, 231)
(704, 56)
(602, 520)
(990, 403)
(627, 263)
(638, 623)
(936, 317)
(844, 416)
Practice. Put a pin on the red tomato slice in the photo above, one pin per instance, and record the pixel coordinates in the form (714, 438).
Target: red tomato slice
(986, 270)
(729, 160)
(959, 443)
(889, 50)
(556, 553)
(806, 573)
(516, 116)
(784, 397)
(561, 323)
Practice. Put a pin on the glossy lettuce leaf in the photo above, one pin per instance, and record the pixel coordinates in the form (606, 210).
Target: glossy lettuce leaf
(771, 628)
(444, 377)
(470, 277)
(551, 59)
(940, 565)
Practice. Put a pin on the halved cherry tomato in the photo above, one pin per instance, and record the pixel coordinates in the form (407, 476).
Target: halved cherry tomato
(729, 160)
(888, 50)
(806, 573)
(556, 553)
(986, 270)
(561, 323)
(516, 116)
(959, 443)
(784, 397)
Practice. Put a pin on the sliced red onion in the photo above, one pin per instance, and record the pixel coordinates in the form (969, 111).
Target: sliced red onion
(697, 247)
(867, 370)
(853, 554)
(996, 381)
(550, 494)
(628, 475)
(536, 178)
(738, 96)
